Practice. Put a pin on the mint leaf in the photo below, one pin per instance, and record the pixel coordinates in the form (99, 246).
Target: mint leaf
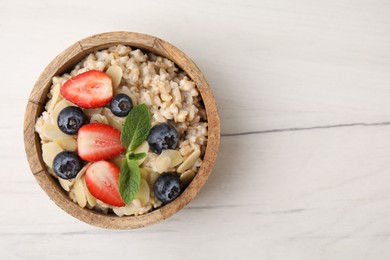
(136, 127)
(124, 182)
(129, 180)
(134, 132)
(136, 156)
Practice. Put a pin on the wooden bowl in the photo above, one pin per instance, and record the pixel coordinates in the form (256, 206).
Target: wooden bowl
(63, 63)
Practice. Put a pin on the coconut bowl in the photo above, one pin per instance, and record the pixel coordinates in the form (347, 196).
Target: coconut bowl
(63, 63)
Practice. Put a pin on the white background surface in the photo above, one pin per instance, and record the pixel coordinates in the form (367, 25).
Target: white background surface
(308, 81)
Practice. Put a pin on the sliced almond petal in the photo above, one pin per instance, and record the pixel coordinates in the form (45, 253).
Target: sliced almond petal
(49, 151)
(101, 205)
(149, 175)
(174, 155)
(119, 211)
(92, 111)
(52, 132)
(185, 150)
(82, 171)
(144, 193)
(137, 203)
(153, 177)
(66, 184)
(143, 148)
(56, 96)
(78, 190)
(162, 163)
(58, 108)
(189, 161)
(155, 202)
(130, 210)
(144, 173)
(186, 177)
(90, 199)
(72, 196)
(69, 144)
(113, 120)
(126, 210)
(145, 209)
(99, 119)
(115, 73)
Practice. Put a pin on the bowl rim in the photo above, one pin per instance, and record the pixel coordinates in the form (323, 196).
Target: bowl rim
(64, 62)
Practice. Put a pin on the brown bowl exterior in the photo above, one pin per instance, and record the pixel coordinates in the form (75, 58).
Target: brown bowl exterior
(63, 63)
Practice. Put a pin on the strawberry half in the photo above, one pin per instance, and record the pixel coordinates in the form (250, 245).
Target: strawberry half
(102, 180)
(90, 89)
(98, 141)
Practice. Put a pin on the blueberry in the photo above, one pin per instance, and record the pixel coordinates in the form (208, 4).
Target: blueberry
(70, 119)
(163, 136)
(121, 105)
(67, 164)
(167, 187)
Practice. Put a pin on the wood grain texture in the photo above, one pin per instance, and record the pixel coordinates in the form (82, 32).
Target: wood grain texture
(34, 148)
(64, 62)
(303, 94)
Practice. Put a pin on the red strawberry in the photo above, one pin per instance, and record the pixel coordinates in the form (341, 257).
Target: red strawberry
(102, 180)
(90, 89)
(98, 141)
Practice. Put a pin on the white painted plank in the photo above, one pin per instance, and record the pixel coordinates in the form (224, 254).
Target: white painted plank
(277, 64)
(300, 194)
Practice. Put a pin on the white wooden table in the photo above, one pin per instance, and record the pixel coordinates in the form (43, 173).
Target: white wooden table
(303, 89)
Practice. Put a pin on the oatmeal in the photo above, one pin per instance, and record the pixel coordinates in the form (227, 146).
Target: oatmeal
(74, 121)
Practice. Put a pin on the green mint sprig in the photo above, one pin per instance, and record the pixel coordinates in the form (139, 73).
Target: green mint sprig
(134, 132)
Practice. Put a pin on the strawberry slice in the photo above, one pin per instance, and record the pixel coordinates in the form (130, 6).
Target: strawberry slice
(102, 180)
(98, 141)
(90, 89)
